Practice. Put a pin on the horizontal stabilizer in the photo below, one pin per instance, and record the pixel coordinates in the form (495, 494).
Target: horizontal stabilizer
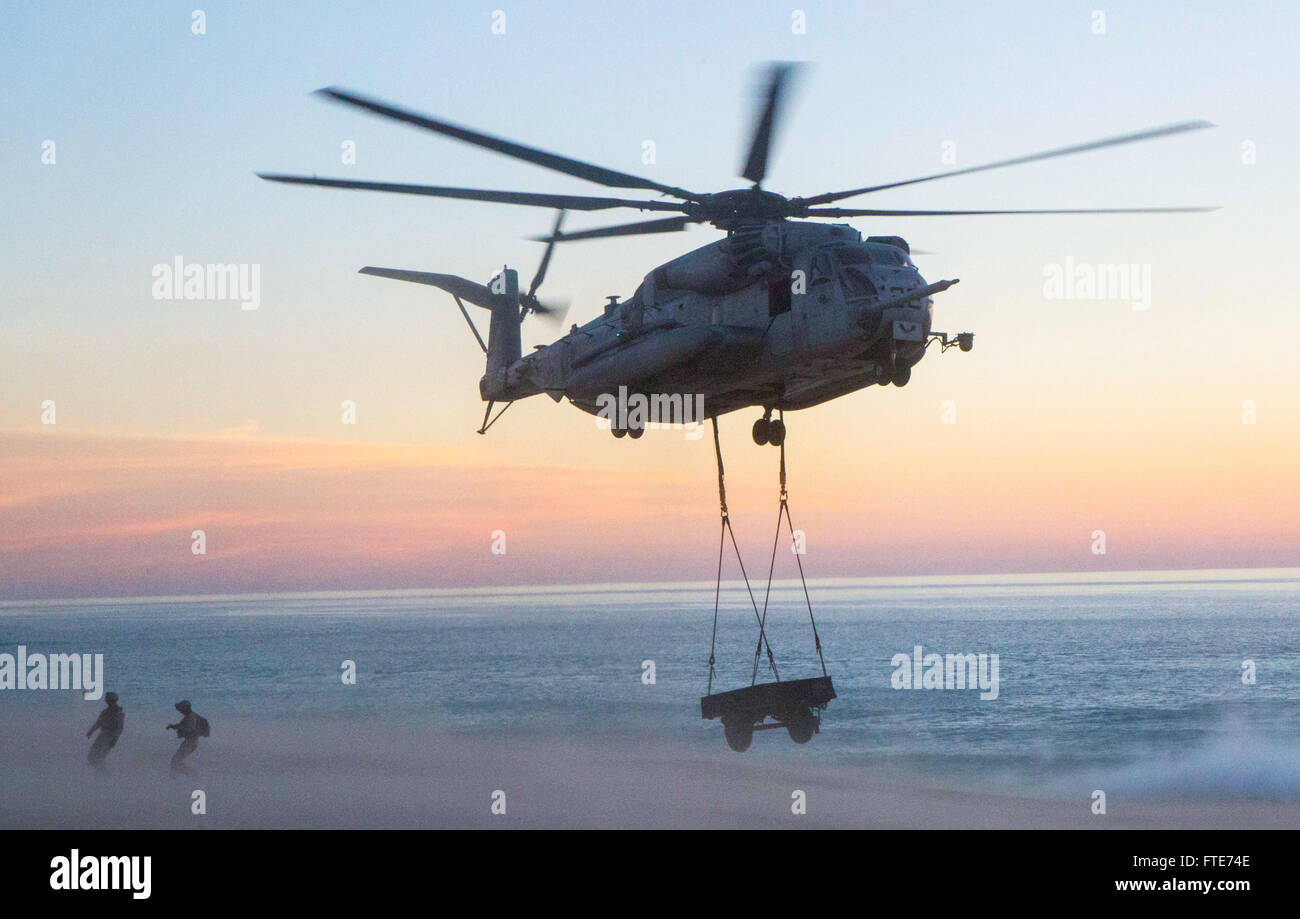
(465, 289)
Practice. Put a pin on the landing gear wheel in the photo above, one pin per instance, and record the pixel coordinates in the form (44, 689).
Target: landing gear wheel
(762, 431)
(776, 433)
(619, 432)
(801, 726)
(636, 431)
(739, 736)
(901, 375)
(879, 374)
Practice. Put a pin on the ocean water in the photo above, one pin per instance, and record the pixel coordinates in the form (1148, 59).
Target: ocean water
(1131, 679)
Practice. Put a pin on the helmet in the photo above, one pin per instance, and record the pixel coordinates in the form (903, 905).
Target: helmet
(110, 698)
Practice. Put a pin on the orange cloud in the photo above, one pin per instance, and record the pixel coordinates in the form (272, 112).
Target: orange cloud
(106, 516)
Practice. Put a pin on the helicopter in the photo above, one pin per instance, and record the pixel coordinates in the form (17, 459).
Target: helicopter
(779, 315)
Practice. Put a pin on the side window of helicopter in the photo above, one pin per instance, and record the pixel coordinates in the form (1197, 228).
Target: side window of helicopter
(821, 270)
(857, 284)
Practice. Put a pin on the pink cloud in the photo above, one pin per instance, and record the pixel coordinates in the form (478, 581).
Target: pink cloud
(106, 516)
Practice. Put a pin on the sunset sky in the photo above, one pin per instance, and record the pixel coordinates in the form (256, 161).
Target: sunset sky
(1071, 416)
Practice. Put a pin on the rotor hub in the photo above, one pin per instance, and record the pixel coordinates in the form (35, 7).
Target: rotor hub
(725, 209)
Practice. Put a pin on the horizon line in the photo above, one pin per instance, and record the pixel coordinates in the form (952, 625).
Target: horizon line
(1149, 577)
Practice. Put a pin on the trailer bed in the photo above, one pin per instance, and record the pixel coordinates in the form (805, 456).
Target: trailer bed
(765, 699)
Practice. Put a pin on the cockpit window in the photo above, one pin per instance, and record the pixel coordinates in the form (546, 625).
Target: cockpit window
(853, 255)
(890, 255)
(856, 283)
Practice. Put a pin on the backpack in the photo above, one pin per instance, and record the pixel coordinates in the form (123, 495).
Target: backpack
(201, 728)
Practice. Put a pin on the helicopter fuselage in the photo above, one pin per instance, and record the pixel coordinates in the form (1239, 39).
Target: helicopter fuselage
(778, 315)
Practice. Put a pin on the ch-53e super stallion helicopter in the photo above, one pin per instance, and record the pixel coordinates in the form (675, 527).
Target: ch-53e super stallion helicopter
(779, 315)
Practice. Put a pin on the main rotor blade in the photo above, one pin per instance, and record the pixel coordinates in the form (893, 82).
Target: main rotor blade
(866, 212)
(572, 202)
(546, 259)
(666, 225)
(755, 167)
(607, 177)
(1151, 134)
(465, 289)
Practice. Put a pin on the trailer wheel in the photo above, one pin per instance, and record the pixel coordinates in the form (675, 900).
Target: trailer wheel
(801, 726)
(739, 736)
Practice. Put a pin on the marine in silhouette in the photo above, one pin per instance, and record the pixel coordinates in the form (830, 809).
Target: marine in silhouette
(109, 724)
(189, 729)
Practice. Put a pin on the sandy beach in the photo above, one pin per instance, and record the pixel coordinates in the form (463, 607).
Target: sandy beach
(362, 774)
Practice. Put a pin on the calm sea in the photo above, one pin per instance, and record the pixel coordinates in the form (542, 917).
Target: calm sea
(1134, 677)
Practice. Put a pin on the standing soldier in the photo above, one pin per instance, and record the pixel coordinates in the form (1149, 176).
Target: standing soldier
(109, 724)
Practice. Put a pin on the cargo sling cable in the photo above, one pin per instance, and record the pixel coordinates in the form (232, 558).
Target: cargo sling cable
(784, 510)
(796, 704)
(717, 590)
